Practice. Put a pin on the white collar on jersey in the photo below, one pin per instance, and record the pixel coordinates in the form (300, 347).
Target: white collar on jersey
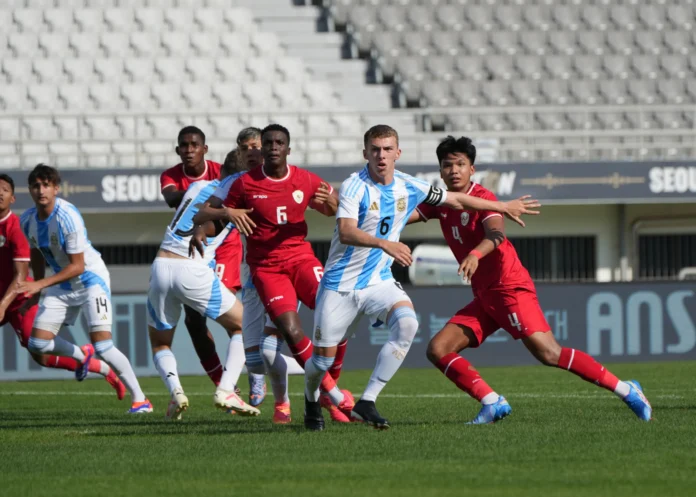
(6, 217)
(279, 179)
(205, 171)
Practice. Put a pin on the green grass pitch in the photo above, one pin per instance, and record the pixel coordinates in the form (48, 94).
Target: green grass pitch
(564, 438)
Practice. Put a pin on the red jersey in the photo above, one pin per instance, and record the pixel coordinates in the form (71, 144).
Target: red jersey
(13, 247)
(279, 213)
(464, 230)
(177, 176)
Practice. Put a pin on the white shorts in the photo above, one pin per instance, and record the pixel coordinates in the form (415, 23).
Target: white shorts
(58, 307)
(338, 313)
(174, 282)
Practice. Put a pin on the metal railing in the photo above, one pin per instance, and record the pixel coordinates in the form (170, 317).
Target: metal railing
(76, 139)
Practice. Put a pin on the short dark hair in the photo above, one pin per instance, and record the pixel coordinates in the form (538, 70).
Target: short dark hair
(44, 172)
(452, 145)
(231, 164)
(190, 130)
(248, 134)
(276, 127)
(380, 131)
(7, 179)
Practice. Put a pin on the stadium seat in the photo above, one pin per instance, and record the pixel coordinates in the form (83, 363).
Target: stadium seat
(678, 42)
(291, 68)
(558, 66)
(652, 16)
(175, 44)
(646, 66)
(54, 45)
(566, 17)
(59, 20)
(106, 97)
(595, 17)
(144, 44)
(209, 20)
(28, 20)
(261, 69)
(86, 45)
(650, 42)
(464, 93)
(537, 17)
(617, 66)
(393, 16)
(437, 94)
(643, 91)
(228, 95)
(137, 70)
(526, 92)
(443, 66)
(421, 18)
(289, 94)
(555, 91)
(672, 91)
(76, 97)
(535, 42)
(49, 71)
(137, 96)
(501, 67)
(592, 42)
(24, 45)
(614, 91)
(588, 66)
(417, 43)
(233, 44)
(147, 18)
(44, 97)
(445, 42)
(474, 42)
(563, 42)
(675, 66)
(17, 71)
(585, 91)
(480, 17)
(681, 16)
(449, 17)
(89, 20)
(620, 42)
(119, 19)
(14, 98)
(116, 45)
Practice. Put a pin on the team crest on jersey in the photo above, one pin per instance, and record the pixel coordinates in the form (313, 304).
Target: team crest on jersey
(54, 239)
(401, 204)
(2, 241)
(465, 218)
(317, 333)
(298, 195)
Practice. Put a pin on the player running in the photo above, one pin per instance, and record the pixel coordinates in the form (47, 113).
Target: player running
(178, 280)
(175, 181)
(57, 235)
(504, 297)
(374, 206)
(14, 267)
(268, 206)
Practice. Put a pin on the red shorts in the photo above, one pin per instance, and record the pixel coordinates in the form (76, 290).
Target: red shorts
(516, 310)
(21, 323)
(281, 287)
(228, 260)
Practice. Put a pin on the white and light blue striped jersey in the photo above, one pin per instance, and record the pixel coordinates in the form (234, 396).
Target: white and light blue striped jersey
(381, 211)
(221, 193)
(179, 232)
(63, 234)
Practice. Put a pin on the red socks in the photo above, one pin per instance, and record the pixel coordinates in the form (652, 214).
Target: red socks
(59, 362)
(582, 364)
(213, 368)
(464, 375)
(302, 352)
(335, 369)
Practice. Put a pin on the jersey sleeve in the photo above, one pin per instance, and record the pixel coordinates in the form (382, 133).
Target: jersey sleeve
(224, 188)
(349, 197)
(168, 178)
(315, 182)
(487, 195)
(235, 196)
(19, 244)
(424, 191)
(427, 211)
(74, 233)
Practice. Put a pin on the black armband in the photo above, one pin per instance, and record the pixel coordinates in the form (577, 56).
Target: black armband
(435, 196)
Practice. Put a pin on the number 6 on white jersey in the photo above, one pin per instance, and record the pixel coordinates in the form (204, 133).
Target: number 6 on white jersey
(282, 215)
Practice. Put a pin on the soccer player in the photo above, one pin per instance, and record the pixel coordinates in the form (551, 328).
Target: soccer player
(177, 279)
(504, 296)
(57, 235)
(374, 206)
(14, 267)
(175, 181)
(268, 205)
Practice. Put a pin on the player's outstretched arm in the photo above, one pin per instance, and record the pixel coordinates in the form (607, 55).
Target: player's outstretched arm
(199, 239)
(350, 234)
(75, 267)
(209, 213)
(325, 200)
(173, 196)
(415, 217)
(21, 269)
(513, 209)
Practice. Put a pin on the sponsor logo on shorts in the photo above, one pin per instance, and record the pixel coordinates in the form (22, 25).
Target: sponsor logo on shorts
(298, 195)
(401, 204)
(465, 218)
(104, 318)
(279, 297)
(374, 206)
(2, 241)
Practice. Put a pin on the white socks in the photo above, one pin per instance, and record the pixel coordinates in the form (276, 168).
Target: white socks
(403, 326)
(276, 367)
(315, 369)
(490, 398)
(622, 389)
(121, 366)
(57, 346)
(233, 363)
(165, 362)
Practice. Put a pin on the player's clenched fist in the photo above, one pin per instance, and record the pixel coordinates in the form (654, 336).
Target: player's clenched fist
(516, 208)
(468, 267)
(400, 252)
(241, 220)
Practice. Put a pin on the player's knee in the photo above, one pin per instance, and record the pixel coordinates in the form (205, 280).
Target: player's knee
(39, 345)
(436, 350)
(403, 324)
(549, 355)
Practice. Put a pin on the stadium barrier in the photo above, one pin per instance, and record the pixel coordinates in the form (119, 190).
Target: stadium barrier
(625, 322)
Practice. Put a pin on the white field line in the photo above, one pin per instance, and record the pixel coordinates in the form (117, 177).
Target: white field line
(549, 395)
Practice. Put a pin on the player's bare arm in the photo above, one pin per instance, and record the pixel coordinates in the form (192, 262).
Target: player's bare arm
(21, 269)
(325, 200)
(494, 235)
(415, 217)
(172, 196)
(199, 239)
(350, 234)
(75, 267)
(513, 209)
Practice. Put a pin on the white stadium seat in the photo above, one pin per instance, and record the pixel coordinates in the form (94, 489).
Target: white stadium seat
(44, 97)
(17, 71)
(109, 70)
(60, 20)
(80, 70)
(29, 20)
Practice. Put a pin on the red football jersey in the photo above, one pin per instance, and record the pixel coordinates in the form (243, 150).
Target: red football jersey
(13, 247)
(177, 176)
(464, 230)
(279, 213)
